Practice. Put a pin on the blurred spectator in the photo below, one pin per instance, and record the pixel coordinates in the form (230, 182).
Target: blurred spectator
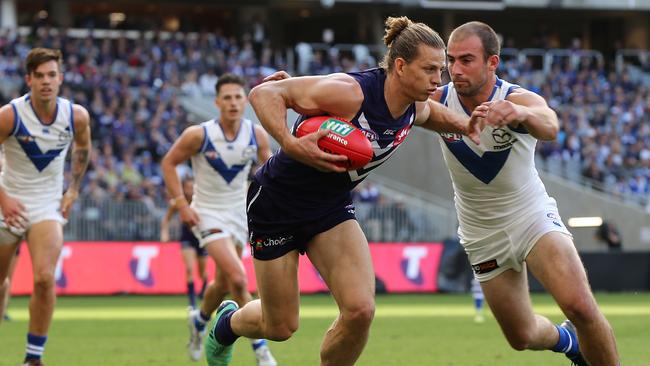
(608, 233)
(366, 192)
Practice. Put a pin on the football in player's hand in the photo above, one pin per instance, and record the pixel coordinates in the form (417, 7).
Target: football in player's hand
(343, 139)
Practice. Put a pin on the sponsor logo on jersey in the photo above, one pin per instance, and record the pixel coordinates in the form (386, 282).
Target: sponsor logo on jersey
(451, 137)
(485, 267)
(501, 136)
(340, 128)
(389, 132)
(248, 153)
(370, 134)
(401, 135)
(64, 136)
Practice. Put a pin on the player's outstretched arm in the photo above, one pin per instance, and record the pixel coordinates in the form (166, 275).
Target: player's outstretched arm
(436, 117)
(335, 94)
(525, 108)
(81, 145)
(12, 210)
(188, 144)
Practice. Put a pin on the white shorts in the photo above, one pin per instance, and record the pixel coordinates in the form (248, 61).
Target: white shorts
(508, 248)
(36, 213)
(218, 224)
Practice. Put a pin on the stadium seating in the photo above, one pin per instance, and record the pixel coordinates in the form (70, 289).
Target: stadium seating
(133, 85)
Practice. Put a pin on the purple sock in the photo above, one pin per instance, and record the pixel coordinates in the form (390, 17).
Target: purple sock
(223, 331)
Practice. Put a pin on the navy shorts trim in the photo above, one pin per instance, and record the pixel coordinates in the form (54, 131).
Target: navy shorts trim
(271, 239)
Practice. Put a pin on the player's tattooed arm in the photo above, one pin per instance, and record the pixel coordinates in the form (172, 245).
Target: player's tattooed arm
(80, 157)
(80, 148)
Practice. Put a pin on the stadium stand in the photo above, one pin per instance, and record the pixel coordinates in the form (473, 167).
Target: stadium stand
(133, 83)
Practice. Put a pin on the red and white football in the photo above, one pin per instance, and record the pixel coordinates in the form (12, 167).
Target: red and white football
(343, 139)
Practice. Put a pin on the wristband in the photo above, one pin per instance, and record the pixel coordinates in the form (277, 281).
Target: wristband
(174, 202)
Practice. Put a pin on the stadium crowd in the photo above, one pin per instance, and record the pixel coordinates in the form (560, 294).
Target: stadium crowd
(605, 123)
(133, 88)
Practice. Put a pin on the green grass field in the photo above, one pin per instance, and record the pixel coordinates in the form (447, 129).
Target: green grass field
(408, 330)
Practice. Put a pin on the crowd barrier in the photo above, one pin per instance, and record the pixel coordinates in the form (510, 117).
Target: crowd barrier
(107, 268)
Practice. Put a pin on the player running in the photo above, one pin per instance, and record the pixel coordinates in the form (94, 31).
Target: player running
(191, 250)
(300, 200)
(222, 151)
(36, 131)
(507, 220)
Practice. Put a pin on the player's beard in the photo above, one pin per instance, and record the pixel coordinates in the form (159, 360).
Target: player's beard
(472, 89)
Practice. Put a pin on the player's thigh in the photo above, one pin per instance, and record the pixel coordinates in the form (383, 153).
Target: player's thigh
(44, 240)
(342, 257)
(277, 287)
(508, 298)
(225, 256)
(7, 254)
(554, 261)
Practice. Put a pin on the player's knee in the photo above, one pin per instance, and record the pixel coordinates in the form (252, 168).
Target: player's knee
(282, 332)
(221, 286)
(238, 282)
(520, 340)
(360, 315)
(43, 280)
(580, 310)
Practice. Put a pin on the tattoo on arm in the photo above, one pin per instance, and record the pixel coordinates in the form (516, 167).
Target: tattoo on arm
(80, 159)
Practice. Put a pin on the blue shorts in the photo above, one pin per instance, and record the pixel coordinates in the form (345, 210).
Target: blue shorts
(273, 233)
(189, 241)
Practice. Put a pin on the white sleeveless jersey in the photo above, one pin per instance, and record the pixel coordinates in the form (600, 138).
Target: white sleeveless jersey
(221, 167)
(34, 156)
(495, 182)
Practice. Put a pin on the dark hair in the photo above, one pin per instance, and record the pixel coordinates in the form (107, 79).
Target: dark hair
(487, 35)
(38, 56)
(229, 78)
(403, 38)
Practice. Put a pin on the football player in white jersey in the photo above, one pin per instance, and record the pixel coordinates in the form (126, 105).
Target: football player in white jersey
(507, 221)
(222, 151)
(36, 131)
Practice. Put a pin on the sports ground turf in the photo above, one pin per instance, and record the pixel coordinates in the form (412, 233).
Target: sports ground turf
(408, 330)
